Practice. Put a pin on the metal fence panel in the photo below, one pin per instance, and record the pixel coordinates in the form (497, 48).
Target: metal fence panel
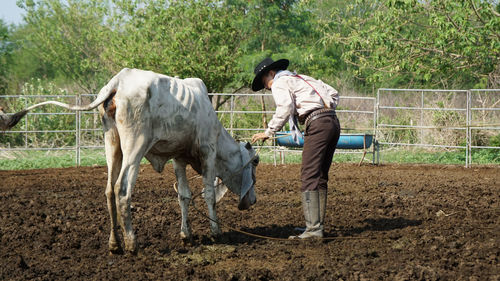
(448, 119)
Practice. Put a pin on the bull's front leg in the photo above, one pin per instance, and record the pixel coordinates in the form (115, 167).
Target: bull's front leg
(210, 199)
(184, 197)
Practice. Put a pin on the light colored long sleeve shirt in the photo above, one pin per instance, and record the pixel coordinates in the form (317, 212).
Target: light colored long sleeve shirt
(293, 96)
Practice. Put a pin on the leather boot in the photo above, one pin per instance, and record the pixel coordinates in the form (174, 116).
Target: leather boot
(311, 205)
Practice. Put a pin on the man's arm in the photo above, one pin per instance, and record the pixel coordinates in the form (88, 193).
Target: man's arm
(284, 107)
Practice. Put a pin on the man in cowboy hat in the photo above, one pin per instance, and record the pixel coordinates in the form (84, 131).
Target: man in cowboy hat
(313, 103)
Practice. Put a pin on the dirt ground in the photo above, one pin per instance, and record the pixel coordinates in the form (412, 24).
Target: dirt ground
(389, 222)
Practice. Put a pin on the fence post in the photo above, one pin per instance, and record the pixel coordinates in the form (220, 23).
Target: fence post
(77, 131)
(421, 116)
(26, 125)
(275, 146)
(231, 116)
(468, 134)
(377, 113)
(374, 127)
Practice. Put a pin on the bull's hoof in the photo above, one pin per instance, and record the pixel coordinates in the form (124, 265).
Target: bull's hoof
(187, 239)
(115, 249)
(214, 239)
(131, 244)
(186, 235)
(187, 242)
(132, 248)
(114, 244)
(216, 232)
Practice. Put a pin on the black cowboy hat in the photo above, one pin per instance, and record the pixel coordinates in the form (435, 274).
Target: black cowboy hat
(263, 67)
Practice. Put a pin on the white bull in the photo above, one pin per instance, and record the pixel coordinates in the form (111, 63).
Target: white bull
(150, 115)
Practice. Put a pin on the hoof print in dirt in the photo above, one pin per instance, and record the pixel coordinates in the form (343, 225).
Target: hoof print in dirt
(182, 251)
(21, 263)
(224, 239)
(210, 239)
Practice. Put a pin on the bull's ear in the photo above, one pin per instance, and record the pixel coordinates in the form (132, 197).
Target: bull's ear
(248, 145)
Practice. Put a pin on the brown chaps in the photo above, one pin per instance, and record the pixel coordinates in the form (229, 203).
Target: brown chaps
(320, 139)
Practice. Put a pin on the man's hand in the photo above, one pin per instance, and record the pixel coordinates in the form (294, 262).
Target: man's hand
(259, 136)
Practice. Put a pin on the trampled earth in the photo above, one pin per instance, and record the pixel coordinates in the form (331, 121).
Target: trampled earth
(388, 222)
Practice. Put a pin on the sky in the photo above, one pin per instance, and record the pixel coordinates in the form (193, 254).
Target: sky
(10, 12)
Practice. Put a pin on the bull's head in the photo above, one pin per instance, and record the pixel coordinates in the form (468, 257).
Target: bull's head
(250, 161)
(9, 121)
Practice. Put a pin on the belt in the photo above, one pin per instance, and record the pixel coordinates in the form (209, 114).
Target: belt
(302, 118)
(318, 114)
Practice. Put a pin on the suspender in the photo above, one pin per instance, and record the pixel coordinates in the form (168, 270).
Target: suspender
(324, 103)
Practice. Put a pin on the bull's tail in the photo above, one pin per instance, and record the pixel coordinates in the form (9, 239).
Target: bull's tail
(9, 121)
(105, 92)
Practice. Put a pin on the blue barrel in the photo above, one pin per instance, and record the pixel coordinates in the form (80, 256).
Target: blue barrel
(285, 139)
(346, 141)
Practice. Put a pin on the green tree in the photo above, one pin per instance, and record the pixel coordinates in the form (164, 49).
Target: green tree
(26, 63)
(184, 38)
(5, 55)
(442, 43)
(220, 42)
(283, 29)
(87, 40)
(271, 25)
(70, 35)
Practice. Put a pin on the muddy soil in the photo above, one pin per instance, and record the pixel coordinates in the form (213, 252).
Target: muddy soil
(390, 222)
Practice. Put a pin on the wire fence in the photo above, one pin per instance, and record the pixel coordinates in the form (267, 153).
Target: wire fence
(442, 119)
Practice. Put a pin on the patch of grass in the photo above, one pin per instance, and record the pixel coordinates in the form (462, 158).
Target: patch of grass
(425, 156)
(404, 156)
(23, 160)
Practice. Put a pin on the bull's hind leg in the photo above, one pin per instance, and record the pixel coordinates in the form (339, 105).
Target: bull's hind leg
(133, 148)
(114, 161)
(184, 197)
